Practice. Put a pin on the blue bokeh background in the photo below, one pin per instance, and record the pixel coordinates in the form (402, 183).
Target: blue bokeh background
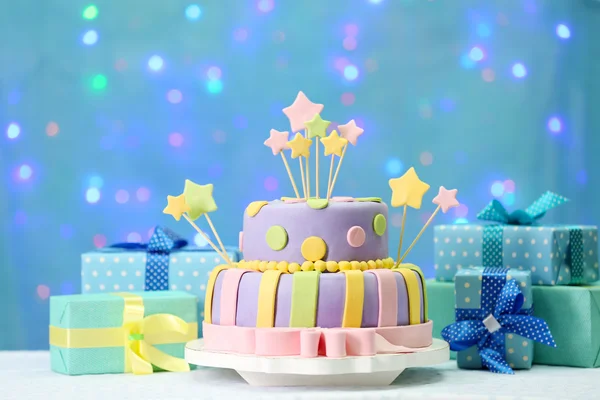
(105, 110)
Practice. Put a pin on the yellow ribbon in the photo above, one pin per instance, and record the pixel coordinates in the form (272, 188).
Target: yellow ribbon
(138, 335)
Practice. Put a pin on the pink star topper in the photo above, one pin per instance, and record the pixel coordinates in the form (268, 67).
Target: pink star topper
(350, 131)
(277, 141)
(446, 199)
(301, 111)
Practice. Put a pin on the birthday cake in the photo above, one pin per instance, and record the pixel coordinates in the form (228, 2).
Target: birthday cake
(316, 278)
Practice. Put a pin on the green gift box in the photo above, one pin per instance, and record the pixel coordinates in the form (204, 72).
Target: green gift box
(571, 312)
(137, 332)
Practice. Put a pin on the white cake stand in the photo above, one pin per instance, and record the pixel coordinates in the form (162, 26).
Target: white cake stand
(378, 370)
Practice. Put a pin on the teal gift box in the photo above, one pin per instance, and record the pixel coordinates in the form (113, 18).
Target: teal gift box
(108, 333)
(555, 254)
(468, 297)
(165, 263)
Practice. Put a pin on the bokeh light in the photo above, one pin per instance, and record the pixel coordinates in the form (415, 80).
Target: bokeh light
(156, 63)
(13, 130)
(174, 96)
(90, 38)
(394, 166)
(95, 181)
(497, 189)
(375, 1)
(508, 199)
(555, 125)
(348, 99)
(219, 136)
(351, 30)
(193, 12)
(99, 241)
(476, 54)
(143, 194)
(519, 70)
(66, 231)
(121, 65)
(99, 82)
(488, 75)
(271, 183)
(52, 129)
(92, 195)
(466, 62)
(134, 237)
(43, 292)
(349, 43)
(461, 211)
(563, 31)
(447, 104)
(90, 12)
(426, 158)
(200, 241)
(265, 6)
(214, 86)
(240, 35)
(24, 172)
(350, 72)
(176, 139)
(509, 186)
(461, 221)
(483, 30)
(213, 73)
(122, 196)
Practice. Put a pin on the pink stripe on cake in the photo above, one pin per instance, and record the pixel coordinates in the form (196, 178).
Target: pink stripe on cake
(229, 295)
(388, 297)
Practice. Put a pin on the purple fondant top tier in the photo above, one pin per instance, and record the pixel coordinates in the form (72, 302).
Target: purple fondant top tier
(331, 224)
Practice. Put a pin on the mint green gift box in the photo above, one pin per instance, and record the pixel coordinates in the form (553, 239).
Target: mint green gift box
(78, 319)
(571, 312)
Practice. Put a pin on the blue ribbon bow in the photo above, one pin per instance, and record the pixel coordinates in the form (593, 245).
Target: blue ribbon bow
(507, 317)
(162, 242)
(495, 211)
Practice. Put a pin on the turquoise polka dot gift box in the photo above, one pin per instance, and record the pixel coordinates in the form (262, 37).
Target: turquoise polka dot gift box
(494, 326)
(166, 262)
(554, 254)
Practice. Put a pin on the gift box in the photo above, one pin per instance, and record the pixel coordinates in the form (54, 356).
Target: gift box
(137, 332)
(494, 327)
(555, 254)
(165, 263)
(571, 312)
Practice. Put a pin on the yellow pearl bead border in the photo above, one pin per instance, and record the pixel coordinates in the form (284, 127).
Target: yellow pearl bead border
(321, 266)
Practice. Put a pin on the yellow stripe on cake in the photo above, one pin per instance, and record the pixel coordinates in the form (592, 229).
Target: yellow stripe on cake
(210, 290)
(267, 296)
(414, 294)
(355, 296)
(305, 292)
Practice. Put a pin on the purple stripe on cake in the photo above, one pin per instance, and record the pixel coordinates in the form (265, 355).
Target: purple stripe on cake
(283, 304)
(370, 316)
(216, 301)
(330, 304)
(402, 300)
(247, 299)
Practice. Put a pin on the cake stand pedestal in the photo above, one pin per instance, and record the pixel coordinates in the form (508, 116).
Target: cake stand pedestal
(378, 370)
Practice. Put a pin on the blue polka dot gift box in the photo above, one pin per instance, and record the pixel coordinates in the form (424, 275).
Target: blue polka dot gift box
(555, 254)
(166, 262)
(494, 326)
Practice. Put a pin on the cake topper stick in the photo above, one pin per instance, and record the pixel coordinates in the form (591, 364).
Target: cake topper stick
(334, 146)
(201, 202)
(350, 132)
(407, 191)
(445, 200)
(277, 141)
(303, 178)
(317, 128)
(177, 207)
(306, 159)
(300, 148)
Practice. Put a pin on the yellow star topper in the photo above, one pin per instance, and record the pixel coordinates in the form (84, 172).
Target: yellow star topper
(176, 206)
(334, 144)
(317, 127)
(408, 190)
(300, 146)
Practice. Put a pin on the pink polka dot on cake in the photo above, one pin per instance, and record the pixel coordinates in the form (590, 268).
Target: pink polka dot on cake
(356, 236)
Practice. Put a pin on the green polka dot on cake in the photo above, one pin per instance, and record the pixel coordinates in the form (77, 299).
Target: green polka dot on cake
(277, 237)
(379, 224)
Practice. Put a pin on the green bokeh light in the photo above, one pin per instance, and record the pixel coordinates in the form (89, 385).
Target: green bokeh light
(99, 82)
(90, 12)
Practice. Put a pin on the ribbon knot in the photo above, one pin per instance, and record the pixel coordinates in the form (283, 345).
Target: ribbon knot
(507, 317)
(496, 212)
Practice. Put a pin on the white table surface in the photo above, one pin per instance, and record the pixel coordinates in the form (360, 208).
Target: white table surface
(27, 375)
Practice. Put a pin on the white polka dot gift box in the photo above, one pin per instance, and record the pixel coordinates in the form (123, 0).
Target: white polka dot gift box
(555, 254)
(165, 263)
(494, 326)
